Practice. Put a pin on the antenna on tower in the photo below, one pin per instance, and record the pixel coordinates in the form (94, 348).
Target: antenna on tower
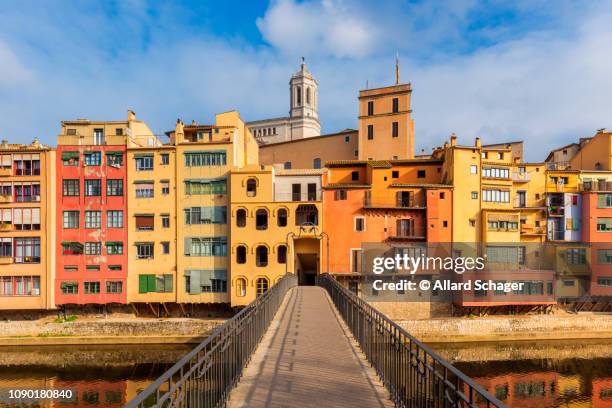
(367, 84)
(397, 71)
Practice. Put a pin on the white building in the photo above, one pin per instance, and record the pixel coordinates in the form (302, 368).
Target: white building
(303, 119)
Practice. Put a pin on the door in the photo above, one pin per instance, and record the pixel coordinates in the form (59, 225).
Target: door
(522, 200)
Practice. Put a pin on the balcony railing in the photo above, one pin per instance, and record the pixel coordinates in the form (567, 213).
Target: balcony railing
(556, 211)
(520, 177)
(399, 203)
(6, 260)
(5, 198)
(529, 229)
(408, 233)
(6, 227)
(6, 171)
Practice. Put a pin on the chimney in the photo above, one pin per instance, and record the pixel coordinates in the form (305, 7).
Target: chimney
(131, 115)
(477, 142)
(36, 142)
(4, 143)
(453, 140)
(446, 145)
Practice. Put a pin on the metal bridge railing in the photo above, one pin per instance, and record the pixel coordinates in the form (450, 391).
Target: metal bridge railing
(414, 375)
(205, 376)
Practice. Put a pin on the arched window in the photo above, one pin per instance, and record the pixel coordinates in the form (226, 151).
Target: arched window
(307, 96)
(241, 217)
(306, 214)
(316, 163)
(282, 217)
(261, 256)
(298, 99)
(241, 287)
(281, 254)
(251, 187)
(241, 254)
(261, 285)
(261, 219)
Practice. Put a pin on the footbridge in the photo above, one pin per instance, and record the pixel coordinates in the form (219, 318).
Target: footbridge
(312, 346)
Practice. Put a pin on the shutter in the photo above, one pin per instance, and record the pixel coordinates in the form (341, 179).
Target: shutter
(142, 283)
(167, 283)
(36, 216)
(7, 215)
(187, 246)
(17, 216)
(27, 216)
(601, 200)
(151, 283)
(145, 221)
(6, 160)
(220, 274)
(206, 214)
(194, 283)
(205, 277)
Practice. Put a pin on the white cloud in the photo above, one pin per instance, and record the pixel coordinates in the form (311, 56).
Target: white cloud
(318, 27)
(12, 72)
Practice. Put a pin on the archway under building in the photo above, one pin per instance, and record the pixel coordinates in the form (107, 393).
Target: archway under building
(307, 260)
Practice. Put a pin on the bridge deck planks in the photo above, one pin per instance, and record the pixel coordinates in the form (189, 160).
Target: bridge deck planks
(308, 359)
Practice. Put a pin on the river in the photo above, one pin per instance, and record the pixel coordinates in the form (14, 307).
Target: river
(522, 374)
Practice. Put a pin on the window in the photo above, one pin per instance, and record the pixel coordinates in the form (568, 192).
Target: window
(281, 217)
(356, 259)
(114, 267)
(145, 189)
(69, 288)
(241, 287)
(144, 250)
(261, 256)
(569, 283)
(296, 192)
(206, 281)
(420, 173)
(261, 286)
(93, 188)
(70, 187)
(495, 172)
(395, 129)
(144, 163)
(206, 215)
(355, 176)
(114, 248)
(93, 248)
(251, 187)
(70, 158)
(395, 105)
(165, 187)
(26, 164)
(93, 219)
(604, 281)
(98, 137)
(575, 256)
(370, 132)
(92, 268)
(241, 254)
(316, 163)
(604, 224)
(114, 219)
(281, 254)
(306, 214)
(359, 224)
(71, 219)
(114, 187)
(340, 195)
(19, 285)
(27, 192)
(473, 169)
(502, 225)
(6, 247)
(92, 158)
(205, 187)
(445, 224)
(485, 155)
(347, 139)
(145, 222)
(27, 250)
(22, 219)
(287, 165)
(208, 158)
(604, 256)
(370, 108)
(604, 200)
(500, 156)
(241, 218)
(165, 247)
(395, 174)
(165, 218)
(165, 159)
(496, 196)
(72, 248)
(114, 159)
(474, 195)
(115, 287)
(155, 283)
(206, 246)
(312, 191)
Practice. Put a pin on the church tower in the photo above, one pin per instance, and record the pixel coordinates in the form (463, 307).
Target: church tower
(304, 104)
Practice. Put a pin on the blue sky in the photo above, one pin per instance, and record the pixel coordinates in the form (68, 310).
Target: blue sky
(533, 70)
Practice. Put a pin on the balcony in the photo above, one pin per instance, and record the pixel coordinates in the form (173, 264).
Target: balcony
(407, 233)
(6, 227)
(601, 185)
(6, 198)
(530, 229)
(400, 203)
(519, 177)
(6, 260)
(6, 171)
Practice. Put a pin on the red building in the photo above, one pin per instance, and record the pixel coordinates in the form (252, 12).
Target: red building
(597, 230)
(91, 213)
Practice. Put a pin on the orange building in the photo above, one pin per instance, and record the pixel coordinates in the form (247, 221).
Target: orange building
(597, 230)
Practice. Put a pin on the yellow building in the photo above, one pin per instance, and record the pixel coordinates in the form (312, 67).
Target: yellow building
(151, 220)
(27, 226)
(204, 156)
(276, 224)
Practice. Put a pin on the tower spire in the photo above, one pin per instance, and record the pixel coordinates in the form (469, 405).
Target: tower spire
(397, 71)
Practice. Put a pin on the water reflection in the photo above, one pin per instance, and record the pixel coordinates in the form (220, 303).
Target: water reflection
(105, 376)
(563, 374)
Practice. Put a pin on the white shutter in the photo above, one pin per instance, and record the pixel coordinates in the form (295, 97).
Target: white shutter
(16, 157)
(36, 156)
(6, 160)
(27, 216)
(6, 215)
(35, 215)
(17, 216)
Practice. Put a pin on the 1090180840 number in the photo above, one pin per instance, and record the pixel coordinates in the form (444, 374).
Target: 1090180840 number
(38, 394)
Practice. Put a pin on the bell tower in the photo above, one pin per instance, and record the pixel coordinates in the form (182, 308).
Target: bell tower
(304, 104)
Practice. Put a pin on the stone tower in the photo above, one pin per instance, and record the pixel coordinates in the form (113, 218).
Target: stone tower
(304, 104)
